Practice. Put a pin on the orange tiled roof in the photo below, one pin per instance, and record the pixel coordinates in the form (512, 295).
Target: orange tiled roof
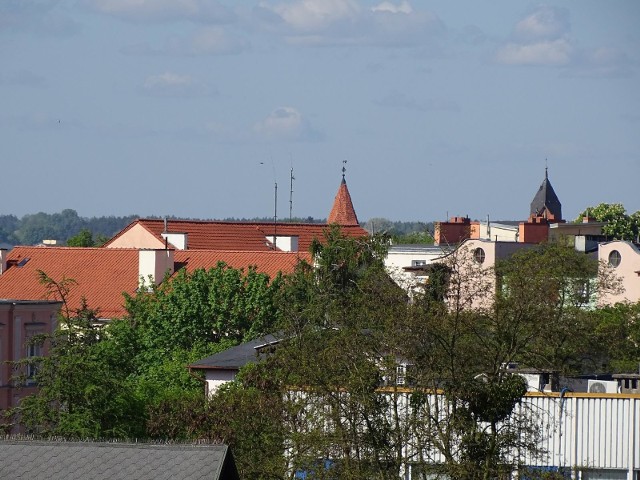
(101, 274)
(343, 212)
(238, 236)
(265, 262)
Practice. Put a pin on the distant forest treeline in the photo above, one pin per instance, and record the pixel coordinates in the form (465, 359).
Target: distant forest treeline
(32, 229)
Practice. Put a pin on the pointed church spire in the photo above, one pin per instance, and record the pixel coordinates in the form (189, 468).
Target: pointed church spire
(342, 211)
(546, 203)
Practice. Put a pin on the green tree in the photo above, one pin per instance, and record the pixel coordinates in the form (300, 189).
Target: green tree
(8, 225)
(83, 239)
(113, 380)
(618, 333)
(351, 341)
(546, 304)
(205, 306)
(338, 320)
(190, 316)
(83, 390)
(620, 225)
(541, 316)
(463, 416)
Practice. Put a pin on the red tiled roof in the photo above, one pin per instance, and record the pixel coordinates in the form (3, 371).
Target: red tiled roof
(101, 274)
(343, 212)
(238, 236)
(265, 262)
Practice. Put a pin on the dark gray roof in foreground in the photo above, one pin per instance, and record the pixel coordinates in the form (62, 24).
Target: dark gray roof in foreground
(51, 460)
(235, 357)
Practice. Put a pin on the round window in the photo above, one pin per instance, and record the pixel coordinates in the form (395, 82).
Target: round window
(614, 258)
(478, 255)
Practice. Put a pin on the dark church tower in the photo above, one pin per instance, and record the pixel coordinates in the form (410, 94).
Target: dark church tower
(546, 204)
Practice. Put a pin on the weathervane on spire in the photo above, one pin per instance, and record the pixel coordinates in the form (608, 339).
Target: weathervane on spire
(344, 168)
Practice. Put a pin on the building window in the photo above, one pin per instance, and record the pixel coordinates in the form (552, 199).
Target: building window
(479, 255)
(33, 351)
(418, 263)
(401, 375)
(615, 258)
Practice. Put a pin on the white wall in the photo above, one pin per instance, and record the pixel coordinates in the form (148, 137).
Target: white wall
(498, 232)
(216, 378)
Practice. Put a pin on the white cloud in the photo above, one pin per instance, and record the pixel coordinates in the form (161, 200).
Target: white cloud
(40, 17)
(345, 22)
(541, 38)
(169, 84)
(316, 15)
(287, 124)
(167, 79)
(544, 23)
(403, 7)
(206, 11)
(602, 62)
(548, 52)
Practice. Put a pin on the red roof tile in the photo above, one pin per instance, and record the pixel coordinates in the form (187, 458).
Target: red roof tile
(343, 212)
(101, 274)
(238, 236)
(265, 262)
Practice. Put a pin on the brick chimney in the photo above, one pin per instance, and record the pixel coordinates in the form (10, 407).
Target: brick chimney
(455, 230)
(534, 230)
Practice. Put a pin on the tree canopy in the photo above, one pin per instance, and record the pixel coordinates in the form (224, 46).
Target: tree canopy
(111, 381)
(67, 225)
(620, 225)
(364, 379)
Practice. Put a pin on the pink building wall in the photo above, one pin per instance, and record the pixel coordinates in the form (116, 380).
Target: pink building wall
(627, 270)
(19, 320)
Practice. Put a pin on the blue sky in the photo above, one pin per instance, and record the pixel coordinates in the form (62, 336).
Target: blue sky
(195, 108)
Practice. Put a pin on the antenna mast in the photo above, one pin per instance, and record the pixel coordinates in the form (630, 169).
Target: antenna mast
(292, 178)
(275, 215)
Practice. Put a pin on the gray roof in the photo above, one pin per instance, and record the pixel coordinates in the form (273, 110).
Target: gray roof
(54, 460)
(235, 357)
(546, 198)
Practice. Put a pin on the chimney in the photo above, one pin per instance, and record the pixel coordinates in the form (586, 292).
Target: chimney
(286, 243)
(3, 260)
(153, 265)
(178, 240)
